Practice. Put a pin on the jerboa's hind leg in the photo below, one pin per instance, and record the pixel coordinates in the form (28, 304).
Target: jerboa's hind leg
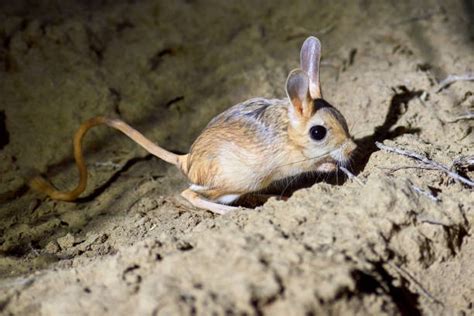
(200, 202)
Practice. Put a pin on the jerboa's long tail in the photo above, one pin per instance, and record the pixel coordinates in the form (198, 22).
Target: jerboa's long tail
(42, 185)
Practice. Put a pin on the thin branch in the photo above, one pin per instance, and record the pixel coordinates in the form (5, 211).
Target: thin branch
(424, 219)
(453, 78)
(406, 275)
(425, 193)
(351, 176)
(392, 170)
(467, 116)
(425, 161)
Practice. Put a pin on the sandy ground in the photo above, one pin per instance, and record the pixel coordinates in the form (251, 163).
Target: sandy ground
(131, 245)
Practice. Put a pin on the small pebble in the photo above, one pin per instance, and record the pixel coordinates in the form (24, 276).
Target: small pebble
(66, 241)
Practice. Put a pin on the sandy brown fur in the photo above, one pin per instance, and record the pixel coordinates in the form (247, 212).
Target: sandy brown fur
(257, 130)
(257, 135)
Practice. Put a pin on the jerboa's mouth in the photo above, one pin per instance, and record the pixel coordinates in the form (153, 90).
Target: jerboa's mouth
(328, 164)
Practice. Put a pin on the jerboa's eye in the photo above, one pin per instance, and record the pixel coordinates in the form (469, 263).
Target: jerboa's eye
(318, 132)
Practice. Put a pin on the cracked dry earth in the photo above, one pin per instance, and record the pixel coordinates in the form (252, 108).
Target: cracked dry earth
(131, 245)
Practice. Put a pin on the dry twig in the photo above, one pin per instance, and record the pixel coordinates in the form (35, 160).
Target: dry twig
(392, 170)
(467, 116)
(406, 275)
(453, 78)
(425, 219)
(425, 193)
(425, 161)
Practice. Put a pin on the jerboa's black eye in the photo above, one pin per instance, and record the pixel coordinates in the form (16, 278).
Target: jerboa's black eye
(317, 132)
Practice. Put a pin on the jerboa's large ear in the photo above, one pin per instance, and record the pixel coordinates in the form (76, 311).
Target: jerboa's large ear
(297, 89)
(310, 57)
